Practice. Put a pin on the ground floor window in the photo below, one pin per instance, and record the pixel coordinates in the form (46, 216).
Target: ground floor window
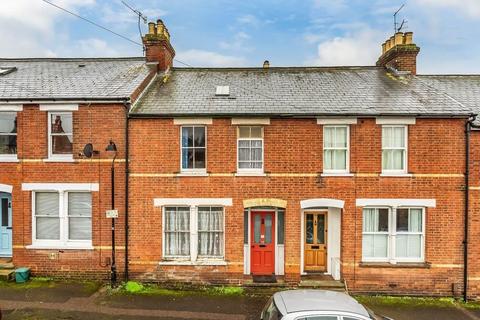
(393, 234)
(193, 232)
(62, 218)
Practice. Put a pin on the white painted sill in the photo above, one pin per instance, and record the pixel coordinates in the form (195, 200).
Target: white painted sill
(59, 159)
(193, 263)
(346, 174)
(193, 174)
(399, 175)
(9, 159)
(59, 247)
(241, 173)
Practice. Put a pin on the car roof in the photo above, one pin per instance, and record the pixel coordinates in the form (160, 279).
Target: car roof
(317, 300)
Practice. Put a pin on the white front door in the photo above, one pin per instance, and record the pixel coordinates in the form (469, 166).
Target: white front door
(5, 225)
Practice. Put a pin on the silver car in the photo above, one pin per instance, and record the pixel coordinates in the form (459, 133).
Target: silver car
(315, 305)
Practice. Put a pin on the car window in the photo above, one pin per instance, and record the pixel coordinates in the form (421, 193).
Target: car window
(271, 312)
(349, 318)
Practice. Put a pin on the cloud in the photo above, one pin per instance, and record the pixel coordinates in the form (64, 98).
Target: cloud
(121, 16)
(248, 19)
(468, 7)
(330, 5)
(237, 43)
(358, 48)
(202, 58)
(28, 27)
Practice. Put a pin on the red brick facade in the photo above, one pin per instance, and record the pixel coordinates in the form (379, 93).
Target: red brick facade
(95, 124)
(293, 163)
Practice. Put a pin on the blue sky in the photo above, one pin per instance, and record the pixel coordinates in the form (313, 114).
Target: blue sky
(245, 33)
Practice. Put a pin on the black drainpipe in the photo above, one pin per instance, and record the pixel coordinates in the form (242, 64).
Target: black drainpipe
(127, 161)
(468, 128)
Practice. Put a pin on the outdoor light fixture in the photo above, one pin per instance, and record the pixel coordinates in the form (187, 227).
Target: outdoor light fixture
(113, 148)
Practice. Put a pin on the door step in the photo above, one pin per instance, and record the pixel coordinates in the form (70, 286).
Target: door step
(7, 275)
(6, 263)
(264, 279)
(323, 284)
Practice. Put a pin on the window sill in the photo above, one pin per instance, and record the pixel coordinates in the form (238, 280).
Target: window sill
(59, 247)
(399, 175)
(337, 174)
(193, 263)
(250, 174)
(192, 174)
(412, 265)
(9, 159)
(59, 160)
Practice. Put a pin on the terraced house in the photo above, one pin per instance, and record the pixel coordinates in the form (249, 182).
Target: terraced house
(365, 175)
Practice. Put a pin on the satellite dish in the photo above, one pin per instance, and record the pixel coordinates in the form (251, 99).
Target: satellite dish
(88, 150)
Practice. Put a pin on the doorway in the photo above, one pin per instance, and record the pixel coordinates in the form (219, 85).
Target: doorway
(262, 243)
(315, 241)
(5, 225)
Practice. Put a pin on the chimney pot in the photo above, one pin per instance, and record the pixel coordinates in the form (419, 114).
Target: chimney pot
(398, 38)
(388, 45)
(151, 28)
(384, 47)
(408, 37)
(266, 64)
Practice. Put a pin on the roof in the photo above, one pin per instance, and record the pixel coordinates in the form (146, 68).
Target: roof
(317, 300)
(294, 92)
(68, 79)
(463, 88)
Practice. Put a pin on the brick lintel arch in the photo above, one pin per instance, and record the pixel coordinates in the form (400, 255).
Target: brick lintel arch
(264, 202)
(6, 188)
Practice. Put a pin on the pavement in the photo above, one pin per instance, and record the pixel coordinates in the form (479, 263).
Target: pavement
(71, 300)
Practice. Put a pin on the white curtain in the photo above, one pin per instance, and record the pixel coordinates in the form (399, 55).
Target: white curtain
(393, 143)
(409, 244)
(47, 216)
(250, 154)
(335, 148)
(374, 243)
(210, 231)
(79, 215)
(177, 231)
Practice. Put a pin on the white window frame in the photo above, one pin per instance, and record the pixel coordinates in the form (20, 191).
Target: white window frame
(10, 157)
(250, 171)
(58, 157)
(201, 171)
(347, 165)
(193, 258)
(64, 242)
(404, 171)
(392, 233)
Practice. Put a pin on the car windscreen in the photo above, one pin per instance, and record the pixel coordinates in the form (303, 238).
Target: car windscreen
(271, 311)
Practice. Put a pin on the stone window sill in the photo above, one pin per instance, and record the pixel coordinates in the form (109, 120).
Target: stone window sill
(403, 265)
(193, 263)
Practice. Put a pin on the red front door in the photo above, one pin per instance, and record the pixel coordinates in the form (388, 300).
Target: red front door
(263, 243)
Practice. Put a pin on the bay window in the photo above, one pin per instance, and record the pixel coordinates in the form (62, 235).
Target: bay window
(250, 149)
(335, 149)
(8, 135)
(394, 234)
(62, 219)
(394, 149)
(193, 148)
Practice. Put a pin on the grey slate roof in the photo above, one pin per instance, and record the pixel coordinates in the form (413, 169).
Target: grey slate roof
(294, 91)
(106, 78)
(463, 88)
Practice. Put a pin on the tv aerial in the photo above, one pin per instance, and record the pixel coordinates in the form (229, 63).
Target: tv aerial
(397, 27)
(141, 17)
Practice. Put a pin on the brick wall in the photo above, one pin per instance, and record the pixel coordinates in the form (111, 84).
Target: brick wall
(95, 124)
(436, 160)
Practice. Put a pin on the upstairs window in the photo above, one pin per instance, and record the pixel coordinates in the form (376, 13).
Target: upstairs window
(60, 132)
(8, 135)
(335, 149)
(250, 149)
(194, 149)
(394, 149)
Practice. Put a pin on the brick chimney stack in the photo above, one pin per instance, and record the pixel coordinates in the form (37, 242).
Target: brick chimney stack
(157, 46)
(399, 52)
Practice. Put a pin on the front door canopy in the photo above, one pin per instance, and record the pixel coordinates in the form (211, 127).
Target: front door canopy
(322, 203)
